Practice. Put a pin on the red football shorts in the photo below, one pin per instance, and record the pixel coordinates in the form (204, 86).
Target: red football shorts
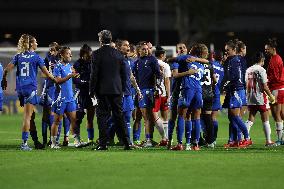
(161, 104)
(279, 95)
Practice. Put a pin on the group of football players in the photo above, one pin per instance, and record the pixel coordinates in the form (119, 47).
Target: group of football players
(181, 92)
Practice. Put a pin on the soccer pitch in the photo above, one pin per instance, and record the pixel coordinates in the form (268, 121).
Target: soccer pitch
(255, 167)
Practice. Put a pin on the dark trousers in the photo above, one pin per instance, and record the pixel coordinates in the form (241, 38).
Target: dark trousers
(108, 105)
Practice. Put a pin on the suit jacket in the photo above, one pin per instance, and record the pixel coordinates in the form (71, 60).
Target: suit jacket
(108, 74)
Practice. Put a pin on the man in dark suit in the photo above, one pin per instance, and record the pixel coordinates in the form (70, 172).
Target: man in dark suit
(107, 82)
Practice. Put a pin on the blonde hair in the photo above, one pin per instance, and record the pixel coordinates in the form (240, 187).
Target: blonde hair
(24, 43)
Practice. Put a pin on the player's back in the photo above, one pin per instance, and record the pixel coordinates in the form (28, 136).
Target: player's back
(195, 79)
(27, 64)
(1, 77)
(207, 81)
(192, 81)
(255, 78)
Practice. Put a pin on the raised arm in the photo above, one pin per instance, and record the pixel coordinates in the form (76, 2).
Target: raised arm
(196, 59)
(60, 80)
(176, 74)
(48, 74)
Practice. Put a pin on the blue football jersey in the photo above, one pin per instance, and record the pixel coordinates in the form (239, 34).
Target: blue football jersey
(27, 64)
(191, 81)
(243, 68)
(48, 61)
(195, 79)
(66, 90)
(233, 74)
(128, 86)
(1, 76)
(146, 70)
(175, 82)
(219, 73)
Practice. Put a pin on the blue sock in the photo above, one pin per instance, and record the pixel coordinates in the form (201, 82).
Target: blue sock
(233, 130)
(25, 136)
(151, 134)
(127, 117)
(171, 127)
(66, 123)
(239, 134)
(147, 136)
(59, 131)
(180, 129)
(137, 133)
(241, 125)
(197, 130)
(215, 125)
(188, 128)
(90, 133)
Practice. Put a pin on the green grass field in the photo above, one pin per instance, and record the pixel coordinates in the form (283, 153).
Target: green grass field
(255, 167)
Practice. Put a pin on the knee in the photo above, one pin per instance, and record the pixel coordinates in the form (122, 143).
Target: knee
(57, 120)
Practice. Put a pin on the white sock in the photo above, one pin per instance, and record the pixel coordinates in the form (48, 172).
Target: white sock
(279, 130)
(267, 131)
(248, 124)
(53, 140)
(159, 126)
(165, 127)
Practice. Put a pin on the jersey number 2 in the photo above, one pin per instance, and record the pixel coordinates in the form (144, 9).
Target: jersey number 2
(25, 70)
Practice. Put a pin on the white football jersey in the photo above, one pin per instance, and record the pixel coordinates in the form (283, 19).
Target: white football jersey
(255, 78)
(161, 82)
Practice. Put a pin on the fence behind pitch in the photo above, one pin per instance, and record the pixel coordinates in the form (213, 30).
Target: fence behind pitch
(11, 103)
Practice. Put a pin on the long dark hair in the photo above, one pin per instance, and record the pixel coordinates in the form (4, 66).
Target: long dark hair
(258, 56)
(272, 42)
(85, 49)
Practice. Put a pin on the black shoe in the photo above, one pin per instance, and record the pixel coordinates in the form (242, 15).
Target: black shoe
(38, 145)
(127, 147)
(49, 143)
(65, 143)
(111, 143)
(154, 143)
(119, 143)
(99, 147)
(91, 143)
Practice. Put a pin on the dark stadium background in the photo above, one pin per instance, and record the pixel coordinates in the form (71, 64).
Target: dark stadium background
(209, 21)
